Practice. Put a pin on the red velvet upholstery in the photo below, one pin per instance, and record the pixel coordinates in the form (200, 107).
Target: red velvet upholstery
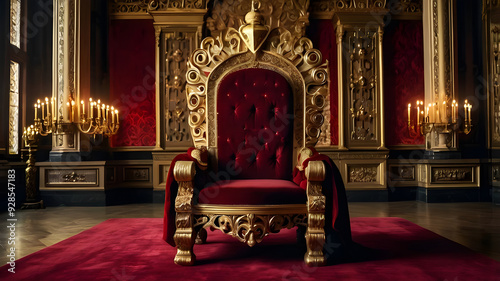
(255, 125)
(253, 192)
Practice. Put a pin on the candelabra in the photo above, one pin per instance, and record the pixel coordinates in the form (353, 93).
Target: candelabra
(100, 120)
(441, 118)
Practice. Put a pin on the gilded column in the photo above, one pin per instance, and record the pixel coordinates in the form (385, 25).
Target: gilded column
(68, 76)
(439, 68)
(491, 54)
(359, 30)
(177, 34)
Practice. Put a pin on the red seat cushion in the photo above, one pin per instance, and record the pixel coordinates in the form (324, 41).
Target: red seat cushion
(253, 192)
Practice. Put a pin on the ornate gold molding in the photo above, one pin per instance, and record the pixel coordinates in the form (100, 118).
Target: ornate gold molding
(249, 228)
(177, 47)
(493, 70)
(185, 235)
(362, 174)
(449, 175)
(284, 52)
(452, 174)
(363, 85)
(291, 15)
(404, 9)
(440, 74)
(137, 7)
(316, 202)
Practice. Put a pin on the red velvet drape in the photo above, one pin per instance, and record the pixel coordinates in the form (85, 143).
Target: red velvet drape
(322, 34)
(132, 81)
(403, 79)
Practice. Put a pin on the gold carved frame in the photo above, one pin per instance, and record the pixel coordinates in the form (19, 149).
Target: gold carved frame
(286, 53)
(254, 45)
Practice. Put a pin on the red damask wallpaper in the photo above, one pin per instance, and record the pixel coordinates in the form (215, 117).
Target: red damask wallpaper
(322, 34)
(132, 81)
(403, 78)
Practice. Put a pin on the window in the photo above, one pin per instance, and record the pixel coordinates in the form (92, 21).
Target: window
(15, 23)
(17, 59)
(14, 108)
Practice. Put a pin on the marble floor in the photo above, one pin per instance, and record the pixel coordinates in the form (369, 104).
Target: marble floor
(475, 225)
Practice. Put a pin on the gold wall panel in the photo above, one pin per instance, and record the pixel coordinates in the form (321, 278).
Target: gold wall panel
(129, 174)
(176, 46)
(402, 173)
(88, 175)
(442, 174)
(364, 170)
(363, 94)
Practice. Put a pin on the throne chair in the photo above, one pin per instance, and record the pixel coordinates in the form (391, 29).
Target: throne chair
(256, 97)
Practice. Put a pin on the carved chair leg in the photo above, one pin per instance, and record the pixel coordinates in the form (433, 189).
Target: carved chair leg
(315, 240)
(184, 240)
(201, 237)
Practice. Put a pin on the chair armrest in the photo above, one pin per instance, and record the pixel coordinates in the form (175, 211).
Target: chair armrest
(316, 202)
(315, 174)
(315, 171)
(184, 172)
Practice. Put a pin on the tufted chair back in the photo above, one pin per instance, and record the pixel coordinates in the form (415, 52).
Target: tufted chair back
(255, 125)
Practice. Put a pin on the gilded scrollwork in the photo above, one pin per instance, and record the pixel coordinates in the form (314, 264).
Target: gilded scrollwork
(451, 174)
(316, 202)
(290, 15)
(74, 177)
(281, 49)
(362, 174)
(177, 47)
(348, 5)
(363, 85)
(145, 6)
(495, 74)
(250, 228)
(185, 234)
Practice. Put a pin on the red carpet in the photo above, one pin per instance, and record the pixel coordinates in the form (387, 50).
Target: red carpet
(132, 249)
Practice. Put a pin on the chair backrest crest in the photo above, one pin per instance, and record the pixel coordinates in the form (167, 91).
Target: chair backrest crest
(293, 58)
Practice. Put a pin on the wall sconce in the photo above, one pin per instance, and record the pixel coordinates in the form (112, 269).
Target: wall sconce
(440, 117)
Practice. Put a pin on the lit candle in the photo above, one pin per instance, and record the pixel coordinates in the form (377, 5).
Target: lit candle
(53, 108)
(43, 111)
(468, 109)
(72, 111)
(99, 109)
(103, 107)
(112, 114)
(409, 116)
(445, 116)
(91, 108)
(83, 108)
(465, 111)
(47, 103)
(418, 112)
(36, 112)
(107, 112)
(117, 120)
(68, 110)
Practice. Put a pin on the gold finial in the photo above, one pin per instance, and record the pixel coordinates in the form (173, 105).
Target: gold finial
(254, 16)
